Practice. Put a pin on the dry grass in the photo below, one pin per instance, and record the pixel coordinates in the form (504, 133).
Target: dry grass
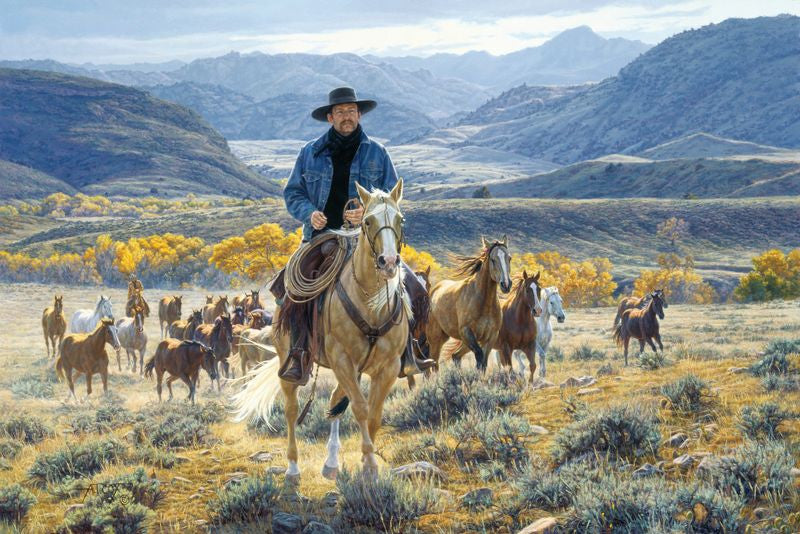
(713, 337)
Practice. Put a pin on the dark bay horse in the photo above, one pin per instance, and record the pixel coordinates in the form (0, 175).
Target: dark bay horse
(54, 324)
(218, 336)
(641, 324)
(185, 329)
(86, 353)
(238, 316)
(182, 359)
(627, 303)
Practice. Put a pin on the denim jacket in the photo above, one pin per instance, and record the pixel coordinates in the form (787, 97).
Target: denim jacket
(310, 183)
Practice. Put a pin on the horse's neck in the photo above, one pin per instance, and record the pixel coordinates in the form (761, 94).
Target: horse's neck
(97, 338)
(98, 312)
(485, 286)
(544, 318)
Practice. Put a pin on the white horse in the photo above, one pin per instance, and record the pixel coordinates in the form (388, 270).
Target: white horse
(132, 337)
(85, 320)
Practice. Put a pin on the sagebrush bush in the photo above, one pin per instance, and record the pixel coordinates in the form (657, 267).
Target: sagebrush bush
(762, 420)
(723, 512)
(555, 354)
(209, 412)
(498, 436)
(539, 487)
(37, 385)
(688, 394)
(422, 448)
(775, 360)
(9, 448)
(387, 503)
(106, 418)
(155, 457)
(248, 500)
(120, 515)
(652, 360)
(774, 382)
(752, 470)
(623, 430)
(586, 353)
(174, 430)
(143, 489)
(75, 461)
(448, 395)
(26, 428)
(15, 501)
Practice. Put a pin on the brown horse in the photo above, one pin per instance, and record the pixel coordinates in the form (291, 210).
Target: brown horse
(209, 299)
(218, 336)
(368, 292)
(238, 316)
(255, 321)
(136, 300)
(419, 295)
(641, 324)
(252, 301)
(86, 353)
(468, 309)
(54, 324)
(169, 311)
(185, 329)
(214, 310)
(182, 359)
(627, 303)
(518, 330)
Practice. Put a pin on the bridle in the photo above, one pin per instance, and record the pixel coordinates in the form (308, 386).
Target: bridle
(385, 224)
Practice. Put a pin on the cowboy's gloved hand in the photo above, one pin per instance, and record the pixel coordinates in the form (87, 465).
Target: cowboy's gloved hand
(318, 220)
(354, 216)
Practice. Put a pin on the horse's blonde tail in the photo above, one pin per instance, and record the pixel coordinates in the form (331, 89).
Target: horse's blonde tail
(60, 365)
(257, 397)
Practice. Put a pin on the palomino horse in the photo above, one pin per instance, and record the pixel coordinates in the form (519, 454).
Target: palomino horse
(219, 337)
(169, 311)
(182, 359)
(131, 334)
(369, 288)
(214, 310)
(251, 343)
(642, 325)
(85, 320)
(185, 329)
(519, 327)
(627, 303)
(86, 353)
(54, 324)
(468, 309)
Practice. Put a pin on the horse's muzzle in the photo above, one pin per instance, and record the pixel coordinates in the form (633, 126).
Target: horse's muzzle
(505, 287)
(561, 318)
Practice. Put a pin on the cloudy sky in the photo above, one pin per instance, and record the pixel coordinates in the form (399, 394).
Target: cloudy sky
(126, 31)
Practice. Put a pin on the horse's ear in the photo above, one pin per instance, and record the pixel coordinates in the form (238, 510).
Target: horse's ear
(524, 274)
(363, 194)
(428, 271)
(536, 277)
(505, 240)
(484, 243)
(397, 191)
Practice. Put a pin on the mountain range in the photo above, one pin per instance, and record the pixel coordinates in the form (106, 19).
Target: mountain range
(68, 133)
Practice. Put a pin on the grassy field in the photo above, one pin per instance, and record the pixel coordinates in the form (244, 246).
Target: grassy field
(703, 340)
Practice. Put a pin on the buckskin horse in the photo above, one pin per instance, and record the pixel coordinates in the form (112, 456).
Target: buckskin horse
(169, 311)
(215, 309)
(370, 313)
(519, 328)
(54, 324)
(468, 309)
(218, 336)
(641, 324)
(182, 359)
(86, 353)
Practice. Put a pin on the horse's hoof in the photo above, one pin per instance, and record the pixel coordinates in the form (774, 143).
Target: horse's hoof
(330, 472)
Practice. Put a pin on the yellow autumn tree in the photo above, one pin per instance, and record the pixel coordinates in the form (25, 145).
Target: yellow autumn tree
(678, 279)
(257, 254)
(775, 275)
(419, 260)
(580, 283)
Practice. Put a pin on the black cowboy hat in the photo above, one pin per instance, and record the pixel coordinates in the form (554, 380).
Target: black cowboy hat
(342, 95)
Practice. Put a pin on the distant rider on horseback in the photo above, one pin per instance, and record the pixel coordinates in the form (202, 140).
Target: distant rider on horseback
(321, 186)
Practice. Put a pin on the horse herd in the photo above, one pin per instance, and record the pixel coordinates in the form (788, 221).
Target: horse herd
(209, 338)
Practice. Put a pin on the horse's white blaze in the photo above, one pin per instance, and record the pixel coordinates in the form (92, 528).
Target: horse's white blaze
(422, 281)
(114, 336)
(504, 265)
(333, 446)
(537, 305)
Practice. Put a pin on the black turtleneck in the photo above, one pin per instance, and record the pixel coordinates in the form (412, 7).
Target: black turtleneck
(343, 150)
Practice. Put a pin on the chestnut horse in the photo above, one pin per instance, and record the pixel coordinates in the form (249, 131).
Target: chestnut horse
(469, 309)
(218, 336)
(641, 324)
(627, 303)
(182, 359)
(86, 353)
(54, 324)
(169, 311)
(519, 328)
(214, 310)
(185, 329)
(369, 287)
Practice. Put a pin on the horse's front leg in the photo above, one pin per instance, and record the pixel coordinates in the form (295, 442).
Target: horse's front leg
(68, 373)
(652, 345)
(542, 352)
(141, 359)
(626, 343)
(658, 339)
(189, 384)
(330, 469)
(47, 342)
(170, 380)
(378, 390)
(88, 383)
(472, 343)
(530, 352)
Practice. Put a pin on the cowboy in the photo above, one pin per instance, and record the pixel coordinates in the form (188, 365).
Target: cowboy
(321, 186)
